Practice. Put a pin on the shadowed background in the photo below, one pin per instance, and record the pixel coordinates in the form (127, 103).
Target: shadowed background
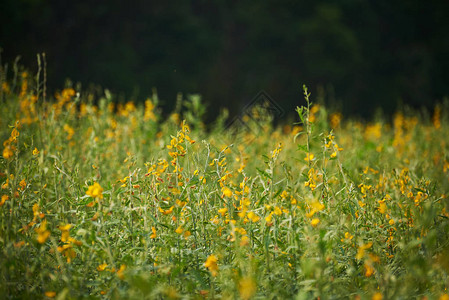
(359, 55)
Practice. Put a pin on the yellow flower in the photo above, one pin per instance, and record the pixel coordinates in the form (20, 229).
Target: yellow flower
(42, 237)
(276, 151)
(4, 198)
(269, 217)
(222, 211)
(184, 127)
(5, 185)
(247, 288)
(253, 217)
(315, 108)
(382, 206)
(316, 206)
(149, 114)
(277, 211)
(377, 296)
(14, 134)
(69, 130)
(215, 220)
(50, 294)
(35, 152)
(315, 222)
(65, 227)
(373, 132)
(436, 117)
(335, 119)
(153, 235)
(43, 233)
(167, 211)
(35, 209)
(244, 240)
(211, 264)
(120, 272)
(179, 230)
(19, 244)
(284, 194)
(348, 236)
(67, 249)
(5, 87)
(102, 267)
(369, 270)
(95, 191)
(8, 152)
(361, 250)
(309, 157)
(227, 192)
(65, 236)
(22, 184)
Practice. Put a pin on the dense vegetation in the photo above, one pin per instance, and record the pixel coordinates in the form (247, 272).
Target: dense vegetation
(112, 201)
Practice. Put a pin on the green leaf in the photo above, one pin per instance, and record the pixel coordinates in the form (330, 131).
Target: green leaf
(263, 173)
(302, 148)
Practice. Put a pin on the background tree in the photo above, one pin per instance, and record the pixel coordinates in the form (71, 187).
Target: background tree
(364, 54)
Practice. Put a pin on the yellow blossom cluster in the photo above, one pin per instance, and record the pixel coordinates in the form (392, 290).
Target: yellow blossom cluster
(176, 144)
(9, 145)
(149, 111)
(63, 101)
(68, 242)
(211, 264)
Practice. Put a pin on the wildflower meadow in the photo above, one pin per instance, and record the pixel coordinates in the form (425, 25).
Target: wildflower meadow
(104, 199)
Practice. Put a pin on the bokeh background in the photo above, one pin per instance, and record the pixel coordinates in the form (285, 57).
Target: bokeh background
(357, 55)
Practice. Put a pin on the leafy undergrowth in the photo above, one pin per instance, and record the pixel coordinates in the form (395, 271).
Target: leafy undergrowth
(105, 200)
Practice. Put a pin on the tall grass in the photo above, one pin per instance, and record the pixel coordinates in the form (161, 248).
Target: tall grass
(107, 200)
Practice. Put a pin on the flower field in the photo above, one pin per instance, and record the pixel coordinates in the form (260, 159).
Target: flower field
(101, 199)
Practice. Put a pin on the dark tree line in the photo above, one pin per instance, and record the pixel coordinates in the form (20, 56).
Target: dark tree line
(362, 54)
